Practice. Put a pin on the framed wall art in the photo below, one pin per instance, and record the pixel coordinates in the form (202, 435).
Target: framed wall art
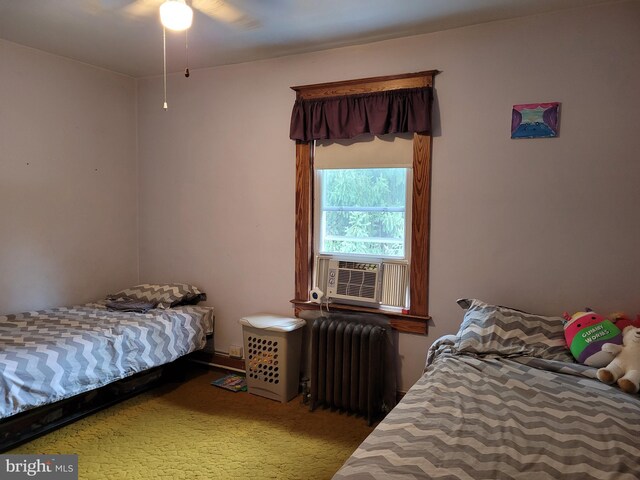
(535, 120)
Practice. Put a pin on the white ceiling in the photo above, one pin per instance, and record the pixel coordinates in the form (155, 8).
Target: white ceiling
(105, 33)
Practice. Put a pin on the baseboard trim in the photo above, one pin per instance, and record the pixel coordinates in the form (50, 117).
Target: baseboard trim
(218, 360)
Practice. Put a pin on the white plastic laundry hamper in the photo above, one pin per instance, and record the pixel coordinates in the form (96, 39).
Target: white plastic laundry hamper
(272, 344)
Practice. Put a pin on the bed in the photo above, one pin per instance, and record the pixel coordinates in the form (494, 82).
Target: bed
(52, 355)
(503, 399)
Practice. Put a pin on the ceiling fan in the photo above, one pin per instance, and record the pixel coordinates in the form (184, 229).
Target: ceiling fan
(219, 10)
(178, 15)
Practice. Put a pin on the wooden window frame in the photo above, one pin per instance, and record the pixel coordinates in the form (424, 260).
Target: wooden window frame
(412, 321)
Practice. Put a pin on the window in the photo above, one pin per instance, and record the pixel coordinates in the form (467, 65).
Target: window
(363, 211)
(343, 109)
(362, 205)
(362, 196)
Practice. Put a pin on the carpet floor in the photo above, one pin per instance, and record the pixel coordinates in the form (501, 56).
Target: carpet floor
(193, 430)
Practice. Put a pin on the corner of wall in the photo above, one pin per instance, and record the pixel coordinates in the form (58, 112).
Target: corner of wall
(137, 153)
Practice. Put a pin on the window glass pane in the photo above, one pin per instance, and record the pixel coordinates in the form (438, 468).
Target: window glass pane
(363, 211)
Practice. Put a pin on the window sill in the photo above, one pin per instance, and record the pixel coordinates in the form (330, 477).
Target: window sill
(402, 322)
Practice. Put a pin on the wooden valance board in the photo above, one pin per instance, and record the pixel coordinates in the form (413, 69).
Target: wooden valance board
(366, 85)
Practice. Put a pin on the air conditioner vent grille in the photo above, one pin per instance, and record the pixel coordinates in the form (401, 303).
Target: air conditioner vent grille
(359, 265)
(357, 283)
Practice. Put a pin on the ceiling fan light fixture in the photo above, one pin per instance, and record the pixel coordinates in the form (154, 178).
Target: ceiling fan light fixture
(176, 15)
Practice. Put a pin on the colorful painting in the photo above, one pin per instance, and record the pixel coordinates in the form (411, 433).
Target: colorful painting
(535, 120)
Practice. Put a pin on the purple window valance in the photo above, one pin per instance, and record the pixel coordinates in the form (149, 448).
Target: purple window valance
(395, 111)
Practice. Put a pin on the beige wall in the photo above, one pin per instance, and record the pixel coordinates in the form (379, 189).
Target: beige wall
(68, 180)
(544, 225)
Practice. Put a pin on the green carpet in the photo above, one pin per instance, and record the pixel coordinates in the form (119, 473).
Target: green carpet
(193, 430)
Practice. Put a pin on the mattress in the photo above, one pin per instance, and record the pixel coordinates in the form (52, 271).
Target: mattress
(50, 355)
(495, 417)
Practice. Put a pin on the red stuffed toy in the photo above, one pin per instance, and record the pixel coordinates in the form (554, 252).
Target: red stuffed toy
(622, 320)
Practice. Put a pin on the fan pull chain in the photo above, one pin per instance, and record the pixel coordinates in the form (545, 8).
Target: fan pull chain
(186, 51)
(164, 56)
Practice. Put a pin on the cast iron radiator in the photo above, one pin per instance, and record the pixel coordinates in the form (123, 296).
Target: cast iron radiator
(346, 367)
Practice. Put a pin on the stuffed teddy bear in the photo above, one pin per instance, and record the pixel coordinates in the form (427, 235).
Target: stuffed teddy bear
(586, 333)
(625, 368)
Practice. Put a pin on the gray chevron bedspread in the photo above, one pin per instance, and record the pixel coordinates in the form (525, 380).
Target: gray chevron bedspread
(494, 417)
(51, 355)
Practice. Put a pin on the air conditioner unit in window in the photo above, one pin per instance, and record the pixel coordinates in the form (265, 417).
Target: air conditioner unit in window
(368, 282)
(356, 281)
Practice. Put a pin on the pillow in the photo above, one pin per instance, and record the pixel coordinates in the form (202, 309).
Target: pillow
(506, 331)
(164, 295)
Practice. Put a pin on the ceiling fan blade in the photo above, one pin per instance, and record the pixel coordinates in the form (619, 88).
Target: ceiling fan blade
(99, 7)
(225, 12)
(142, 8)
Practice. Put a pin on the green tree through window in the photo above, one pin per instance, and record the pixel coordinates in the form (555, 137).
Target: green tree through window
(363, 211)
